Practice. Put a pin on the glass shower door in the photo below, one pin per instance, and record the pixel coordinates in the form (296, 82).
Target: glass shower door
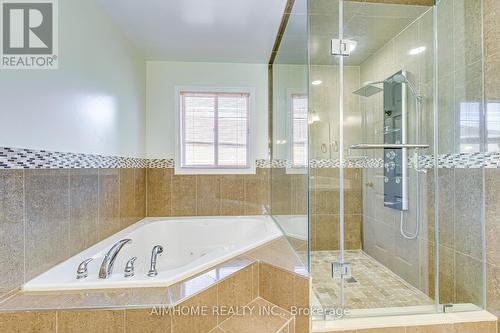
(371, 131)
(325, 133)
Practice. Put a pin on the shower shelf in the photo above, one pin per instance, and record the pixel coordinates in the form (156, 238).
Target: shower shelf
(387, 146)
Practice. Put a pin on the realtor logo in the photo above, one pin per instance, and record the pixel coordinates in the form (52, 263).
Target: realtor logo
(29, 34)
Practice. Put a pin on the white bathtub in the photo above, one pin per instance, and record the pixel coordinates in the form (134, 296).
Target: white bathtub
(191, 245)
(294, 226)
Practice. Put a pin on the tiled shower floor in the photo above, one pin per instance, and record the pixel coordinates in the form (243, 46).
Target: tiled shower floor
(376, 286)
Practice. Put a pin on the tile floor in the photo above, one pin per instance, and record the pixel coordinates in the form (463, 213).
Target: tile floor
(376, 286)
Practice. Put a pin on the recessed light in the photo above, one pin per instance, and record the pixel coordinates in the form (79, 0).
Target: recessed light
(316, 82)
(417, 50)
(351, 45)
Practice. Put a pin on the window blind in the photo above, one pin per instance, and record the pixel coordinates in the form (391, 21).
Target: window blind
(299, 130)
(214, 130)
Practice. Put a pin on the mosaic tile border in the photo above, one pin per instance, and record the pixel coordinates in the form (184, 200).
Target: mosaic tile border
(161, 163)
(445, 161)
(18, 158)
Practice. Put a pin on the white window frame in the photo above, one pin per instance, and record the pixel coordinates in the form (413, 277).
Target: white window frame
(183, 170)
(302, 169)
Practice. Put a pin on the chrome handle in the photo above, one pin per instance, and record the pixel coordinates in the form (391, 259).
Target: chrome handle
(388, 146)
(129, 267)
(82, 271)
(157, 250)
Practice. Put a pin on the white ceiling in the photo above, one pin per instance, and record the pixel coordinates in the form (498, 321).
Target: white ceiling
(199, 30)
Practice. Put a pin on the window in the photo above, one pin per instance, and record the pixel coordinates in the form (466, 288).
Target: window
(214, 131)
(470, 126)
(299, 130)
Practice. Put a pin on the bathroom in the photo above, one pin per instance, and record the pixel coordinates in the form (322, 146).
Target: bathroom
(249, 166)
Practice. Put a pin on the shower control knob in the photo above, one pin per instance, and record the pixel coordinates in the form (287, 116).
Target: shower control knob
(386, 179)
(398, 180)
(390, 166)
(390, 155)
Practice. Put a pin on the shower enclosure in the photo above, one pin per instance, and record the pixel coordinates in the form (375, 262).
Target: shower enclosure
(377, 122)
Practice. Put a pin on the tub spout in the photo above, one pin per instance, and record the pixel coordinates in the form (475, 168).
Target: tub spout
(109, 260)
(157, 250)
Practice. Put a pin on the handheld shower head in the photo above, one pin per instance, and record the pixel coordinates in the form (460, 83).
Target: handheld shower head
(399, 78)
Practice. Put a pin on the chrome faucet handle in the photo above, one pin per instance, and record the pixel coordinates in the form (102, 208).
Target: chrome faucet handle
(82, 271)
(129, 267)
(157, 250)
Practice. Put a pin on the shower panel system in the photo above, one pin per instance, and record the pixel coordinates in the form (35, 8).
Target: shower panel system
(395, 146)
(395, 132)
(395, 136)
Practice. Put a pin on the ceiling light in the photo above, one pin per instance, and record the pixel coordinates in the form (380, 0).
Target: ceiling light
(351, 45)
(417, 50)
(316, 82)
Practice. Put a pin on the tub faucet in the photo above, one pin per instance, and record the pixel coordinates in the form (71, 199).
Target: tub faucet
(109, 260)
(157, 250)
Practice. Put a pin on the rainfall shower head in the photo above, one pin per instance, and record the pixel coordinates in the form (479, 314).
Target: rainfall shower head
(369, 89)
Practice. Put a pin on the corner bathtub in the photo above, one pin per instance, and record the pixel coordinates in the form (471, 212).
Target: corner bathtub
(191, 245)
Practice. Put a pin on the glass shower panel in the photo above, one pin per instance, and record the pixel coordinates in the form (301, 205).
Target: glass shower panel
(289, 175)
(324, 151)
(461, 151)
(397, 151)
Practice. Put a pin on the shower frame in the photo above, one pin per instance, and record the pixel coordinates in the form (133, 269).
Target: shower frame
(340, 266)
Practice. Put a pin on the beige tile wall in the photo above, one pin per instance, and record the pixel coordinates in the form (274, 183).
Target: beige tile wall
(46, 216)
(207, 195)
(285, 289)
(324, 203)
